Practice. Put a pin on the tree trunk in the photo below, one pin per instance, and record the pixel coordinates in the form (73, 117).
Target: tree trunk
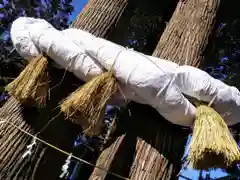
(105, 159)
(32, 120)
(98, 17)
(183, 41)
(186, 35)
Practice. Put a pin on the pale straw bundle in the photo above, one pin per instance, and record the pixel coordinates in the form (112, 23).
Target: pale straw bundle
(31, 86)
(212, 145)
(86, 106)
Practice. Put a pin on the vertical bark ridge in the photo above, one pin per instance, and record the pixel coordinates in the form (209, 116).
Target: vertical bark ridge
(186, 35)
(98, 16)
(183, 41)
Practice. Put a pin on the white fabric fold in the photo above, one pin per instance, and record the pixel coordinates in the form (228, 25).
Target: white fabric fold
(143, 79)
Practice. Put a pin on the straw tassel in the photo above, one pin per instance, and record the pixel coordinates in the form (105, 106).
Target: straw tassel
(86, 106)
(212, 144)
(31, 86)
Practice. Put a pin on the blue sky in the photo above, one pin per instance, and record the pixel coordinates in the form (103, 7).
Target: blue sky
(192, 174)
(78, 5)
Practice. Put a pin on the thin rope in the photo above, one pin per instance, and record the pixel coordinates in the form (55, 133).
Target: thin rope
(211, 102)
(49, 122)
(62, 151)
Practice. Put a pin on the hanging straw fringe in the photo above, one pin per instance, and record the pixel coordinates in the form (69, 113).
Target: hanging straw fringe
(212, 145)
(31, 86)
(87, 104)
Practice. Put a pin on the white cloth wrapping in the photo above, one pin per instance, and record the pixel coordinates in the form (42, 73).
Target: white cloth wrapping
(144, 79)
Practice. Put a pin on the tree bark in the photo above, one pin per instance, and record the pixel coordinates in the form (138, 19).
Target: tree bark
(186, 35)
(183, 41)
(98, 17)
(105, 159)
(32, 120)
